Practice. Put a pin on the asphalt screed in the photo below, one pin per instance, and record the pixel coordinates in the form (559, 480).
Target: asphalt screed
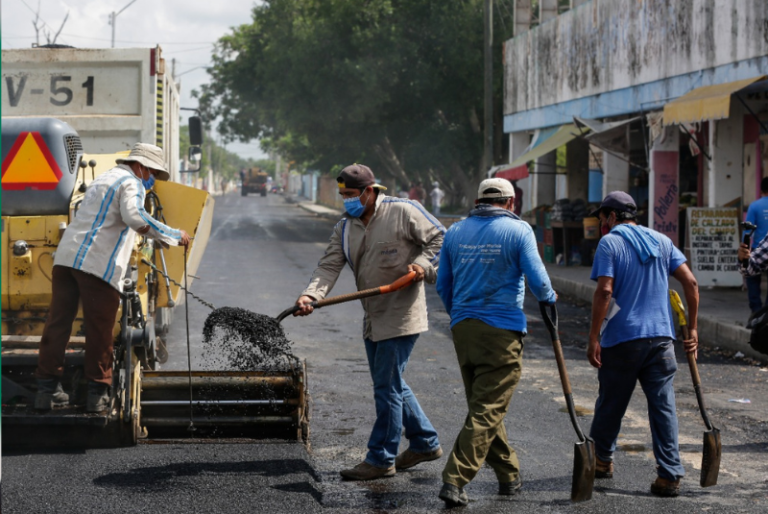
(254, 377)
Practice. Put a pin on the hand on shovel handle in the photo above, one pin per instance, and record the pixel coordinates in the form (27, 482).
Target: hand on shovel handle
(712, 451)
(306, 304)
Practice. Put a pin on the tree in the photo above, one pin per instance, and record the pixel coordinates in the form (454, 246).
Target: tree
(393, 84)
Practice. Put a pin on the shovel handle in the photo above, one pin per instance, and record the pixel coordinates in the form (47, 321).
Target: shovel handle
(677, 306)
(550, 321)
(398, 284)
(697, 382)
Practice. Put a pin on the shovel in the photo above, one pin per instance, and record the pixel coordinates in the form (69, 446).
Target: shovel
(710, 460)
(400, 283)
(584, 450)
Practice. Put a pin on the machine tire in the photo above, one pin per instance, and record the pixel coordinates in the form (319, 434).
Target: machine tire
(244, 192)
(263, 192)
(131, 430)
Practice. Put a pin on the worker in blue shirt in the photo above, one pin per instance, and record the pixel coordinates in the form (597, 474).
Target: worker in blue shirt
(631, 338)
(758, 215)
(481, 283)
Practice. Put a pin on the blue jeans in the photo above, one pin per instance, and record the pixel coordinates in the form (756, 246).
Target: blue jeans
(753, 292)
(652, 362)
(396, 406)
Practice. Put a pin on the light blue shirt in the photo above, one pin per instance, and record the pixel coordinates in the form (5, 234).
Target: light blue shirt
(758, 214)
(482, 264)
(640, 305)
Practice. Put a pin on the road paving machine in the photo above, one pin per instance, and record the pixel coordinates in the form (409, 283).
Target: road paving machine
(45, 175)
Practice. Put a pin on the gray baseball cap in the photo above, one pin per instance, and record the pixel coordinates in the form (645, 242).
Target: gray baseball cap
(617, 200)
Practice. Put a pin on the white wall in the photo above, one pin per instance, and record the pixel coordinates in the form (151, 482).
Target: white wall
(607, 45)
(543, 180)
(518, 142)
(615, 174)
(726, 146)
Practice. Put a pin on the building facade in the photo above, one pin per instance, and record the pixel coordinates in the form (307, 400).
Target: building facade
(665, 99)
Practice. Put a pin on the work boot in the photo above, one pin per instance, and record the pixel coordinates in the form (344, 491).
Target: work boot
(409, 459)
(365, 471)
(50, 394)
(453, 496)
(510, 488)
(98, 397)
(603, 469)
(665, 488)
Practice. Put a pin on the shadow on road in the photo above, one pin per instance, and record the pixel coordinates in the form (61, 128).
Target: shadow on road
(161, 478)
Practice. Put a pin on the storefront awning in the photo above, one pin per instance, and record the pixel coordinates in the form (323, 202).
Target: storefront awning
(705, 103)
(611, 136)
(548, 143)
(509, 172)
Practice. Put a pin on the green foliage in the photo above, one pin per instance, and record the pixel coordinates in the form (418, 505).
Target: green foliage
(397, 85)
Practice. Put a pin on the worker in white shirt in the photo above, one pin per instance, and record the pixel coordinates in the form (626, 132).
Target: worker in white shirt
(89, 267)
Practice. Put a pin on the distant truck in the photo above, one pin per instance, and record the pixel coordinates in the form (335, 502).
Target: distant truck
(254, 181)
(113, 98)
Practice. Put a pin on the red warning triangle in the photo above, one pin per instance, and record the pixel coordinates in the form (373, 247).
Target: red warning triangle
(29, 164)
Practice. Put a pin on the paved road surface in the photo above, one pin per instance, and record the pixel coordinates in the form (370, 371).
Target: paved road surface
(261, 254)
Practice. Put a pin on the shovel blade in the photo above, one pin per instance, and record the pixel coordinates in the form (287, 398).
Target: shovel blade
(583, 471)
(710, 461)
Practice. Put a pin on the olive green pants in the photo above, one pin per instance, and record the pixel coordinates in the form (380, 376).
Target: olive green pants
(491, 362)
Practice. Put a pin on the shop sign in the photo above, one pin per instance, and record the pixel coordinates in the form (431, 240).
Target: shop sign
(666, 193)
(713, 242)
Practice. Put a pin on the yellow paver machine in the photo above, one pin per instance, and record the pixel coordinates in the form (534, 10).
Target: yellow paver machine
(44, 181)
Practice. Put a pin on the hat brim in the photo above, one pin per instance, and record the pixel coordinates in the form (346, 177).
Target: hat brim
(162, 173)
(595, 213)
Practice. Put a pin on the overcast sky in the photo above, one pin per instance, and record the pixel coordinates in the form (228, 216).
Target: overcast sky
(185, 29)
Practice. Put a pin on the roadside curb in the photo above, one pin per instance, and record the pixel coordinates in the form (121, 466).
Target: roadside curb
(318, 210)
(712, 333)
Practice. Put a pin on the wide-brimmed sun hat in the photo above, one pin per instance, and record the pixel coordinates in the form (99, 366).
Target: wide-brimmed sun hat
(150, 156)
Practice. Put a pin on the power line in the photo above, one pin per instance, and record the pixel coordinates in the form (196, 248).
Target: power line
(119, 40)
(35, 13)
(186, 50)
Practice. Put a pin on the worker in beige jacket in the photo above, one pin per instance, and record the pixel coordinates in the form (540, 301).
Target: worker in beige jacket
(382, 238)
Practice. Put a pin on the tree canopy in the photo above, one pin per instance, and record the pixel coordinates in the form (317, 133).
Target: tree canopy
(397, 85)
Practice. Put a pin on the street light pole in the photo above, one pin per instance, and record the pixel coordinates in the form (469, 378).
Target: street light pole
(488, 75)
(113, 18)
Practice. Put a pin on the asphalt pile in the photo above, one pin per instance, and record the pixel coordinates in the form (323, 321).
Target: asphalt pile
(247, 341)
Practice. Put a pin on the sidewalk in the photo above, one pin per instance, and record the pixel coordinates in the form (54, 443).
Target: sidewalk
(723, 312)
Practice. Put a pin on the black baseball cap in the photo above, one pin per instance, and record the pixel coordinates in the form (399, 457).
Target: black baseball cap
(618, 201)
(357, 176)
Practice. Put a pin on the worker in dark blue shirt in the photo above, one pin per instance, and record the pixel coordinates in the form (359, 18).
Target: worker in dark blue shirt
(481, 282)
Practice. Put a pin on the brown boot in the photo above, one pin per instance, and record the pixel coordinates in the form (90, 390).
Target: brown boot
(603, 469)
(365, 471)
(409, 459)
(665, 488)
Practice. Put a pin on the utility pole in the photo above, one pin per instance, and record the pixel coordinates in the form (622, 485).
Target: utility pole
(113, 18)
(488, 110)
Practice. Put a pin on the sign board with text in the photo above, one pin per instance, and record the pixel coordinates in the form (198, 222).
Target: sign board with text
(713, 242)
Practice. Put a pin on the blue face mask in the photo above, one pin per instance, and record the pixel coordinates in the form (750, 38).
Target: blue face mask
(148, 183)
(354, 207)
